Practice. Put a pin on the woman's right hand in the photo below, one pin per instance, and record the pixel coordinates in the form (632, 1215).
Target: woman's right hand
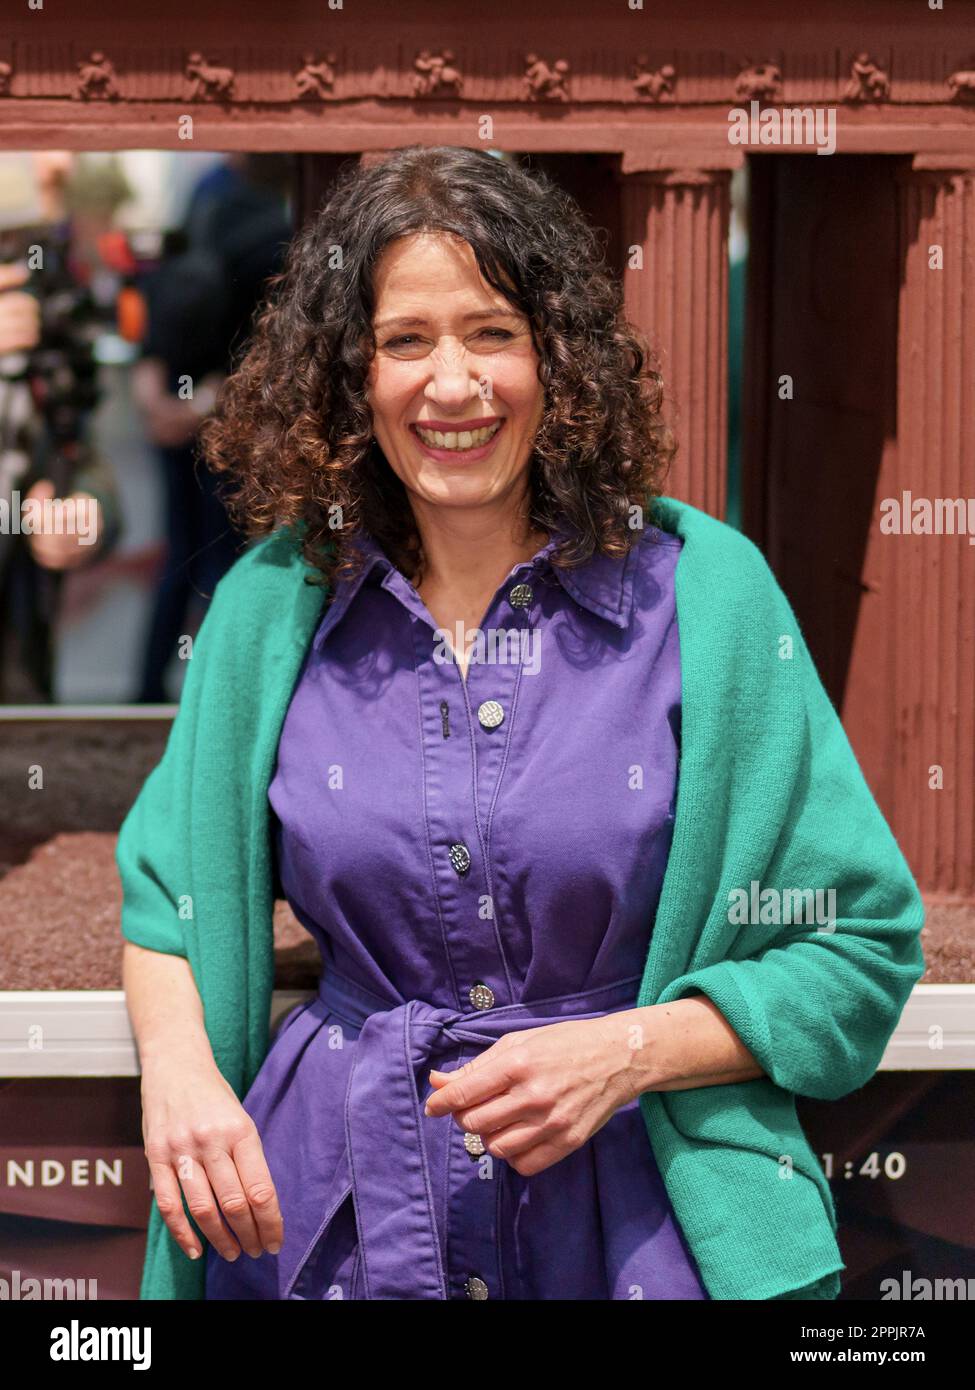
(198, 1135)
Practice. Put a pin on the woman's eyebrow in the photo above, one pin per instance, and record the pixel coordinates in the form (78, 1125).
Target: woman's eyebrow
(403, 321)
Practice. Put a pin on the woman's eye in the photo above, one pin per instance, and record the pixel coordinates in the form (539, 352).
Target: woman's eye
(411, 340)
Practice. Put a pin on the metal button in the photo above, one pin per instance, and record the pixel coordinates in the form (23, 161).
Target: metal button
(481, 995)
(474, 1145)
(490, 714)
(460, 858)
(520, 596)
(476, 1288)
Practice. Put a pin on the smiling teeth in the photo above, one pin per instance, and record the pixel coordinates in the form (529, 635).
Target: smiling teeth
(464, 439)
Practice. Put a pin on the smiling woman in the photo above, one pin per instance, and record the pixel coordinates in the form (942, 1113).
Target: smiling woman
(543, 1060)
(420, 382)
(470, 293)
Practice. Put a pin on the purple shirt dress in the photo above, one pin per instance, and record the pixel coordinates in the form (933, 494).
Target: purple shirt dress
(472, 857)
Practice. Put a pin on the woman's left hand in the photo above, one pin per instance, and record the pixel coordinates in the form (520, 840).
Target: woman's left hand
(536, 1095)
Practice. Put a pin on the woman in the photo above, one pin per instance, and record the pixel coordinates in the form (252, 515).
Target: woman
(567, 997)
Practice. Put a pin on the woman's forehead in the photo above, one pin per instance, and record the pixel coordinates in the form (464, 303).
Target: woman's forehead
(431, 268)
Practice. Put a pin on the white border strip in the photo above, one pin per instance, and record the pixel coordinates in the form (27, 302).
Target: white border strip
(87, 1032)
(81, 1032)
(936, 1031)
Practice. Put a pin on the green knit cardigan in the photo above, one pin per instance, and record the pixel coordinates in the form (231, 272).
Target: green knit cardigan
(769, 794)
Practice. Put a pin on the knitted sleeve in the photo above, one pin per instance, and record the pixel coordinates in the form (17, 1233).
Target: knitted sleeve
(824, 943)
(147, 855)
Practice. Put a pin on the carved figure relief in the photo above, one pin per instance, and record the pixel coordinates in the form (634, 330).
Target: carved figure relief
(961, 84)
(96, 79)
(544, 82)
(868, 81)
(435, 75)
(209, 83)
(316, 79)
(655, 85)
(758, 81)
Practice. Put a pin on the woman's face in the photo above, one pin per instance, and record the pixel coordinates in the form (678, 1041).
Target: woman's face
(453, 387)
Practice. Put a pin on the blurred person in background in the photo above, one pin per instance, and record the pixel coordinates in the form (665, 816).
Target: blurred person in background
(200, 302)
(48, 391)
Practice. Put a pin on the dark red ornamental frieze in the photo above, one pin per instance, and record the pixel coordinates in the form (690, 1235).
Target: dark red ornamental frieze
(224, 76)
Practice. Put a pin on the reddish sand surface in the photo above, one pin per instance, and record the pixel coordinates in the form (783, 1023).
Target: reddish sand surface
(59, 925)
(59, 922)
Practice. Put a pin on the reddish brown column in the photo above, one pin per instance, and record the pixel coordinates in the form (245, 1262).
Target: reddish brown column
(679, 217)
(932, 576)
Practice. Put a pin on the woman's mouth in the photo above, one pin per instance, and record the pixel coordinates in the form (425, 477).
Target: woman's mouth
(457, 446)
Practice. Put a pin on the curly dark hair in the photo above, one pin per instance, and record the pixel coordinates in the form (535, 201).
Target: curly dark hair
(292, 431)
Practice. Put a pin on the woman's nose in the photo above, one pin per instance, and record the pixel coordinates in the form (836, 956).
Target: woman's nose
(453, 381)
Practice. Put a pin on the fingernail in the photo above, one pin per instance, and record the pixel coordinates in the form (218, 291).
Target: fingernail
(273, 1249)
(193, 1254)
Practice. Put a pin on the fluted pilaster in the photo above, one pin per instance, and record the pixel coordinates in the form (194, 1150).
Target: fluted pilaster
(679, 298)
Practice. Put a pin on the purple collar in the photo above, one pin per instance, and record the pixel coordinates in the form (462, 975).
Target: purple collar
(602, 584)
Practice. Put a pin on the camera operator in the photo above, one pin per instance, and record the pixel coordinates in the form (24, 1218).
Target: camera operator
(48, 389)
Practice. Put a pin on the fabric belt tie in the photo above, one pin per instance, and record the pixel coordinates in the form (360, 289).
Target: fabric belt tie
(385, 1166)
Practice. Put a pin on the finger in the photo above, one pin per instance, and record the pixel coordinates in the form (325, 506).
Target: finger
(472, 1083)
(512, 1108)
(248, 1154)
(170, 1204)
(535, 1160)
(203, 1207)
(19, 307)
(515, 1139)
(223, 1177)
(522, 1147)
(13, 274)
(19, 312)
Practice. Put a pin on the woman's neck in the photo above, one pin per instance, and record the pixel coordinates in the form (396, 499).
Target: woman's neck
(461, 559)
(463, 564)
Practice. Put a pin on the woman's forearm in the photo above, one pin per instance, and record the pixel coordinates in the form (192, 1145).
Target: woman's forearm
(202, 1147)
(164, 1004)
(685, 1044)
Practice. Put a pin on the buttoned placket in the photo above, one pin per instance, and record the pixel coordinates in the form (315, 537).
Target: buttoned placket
(465, 734)
(465, 731)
